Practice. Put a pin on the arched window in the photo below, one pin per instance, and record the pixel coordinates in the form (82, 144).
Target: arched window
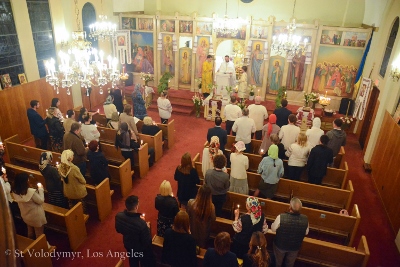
(389, 47)
(89, 17)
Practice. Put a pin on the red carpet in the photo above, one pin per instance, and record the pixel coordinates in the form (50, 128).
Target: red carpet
(190, 136)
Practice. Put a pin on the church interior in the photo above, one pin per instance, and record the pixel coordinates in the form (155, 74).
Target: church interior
(336, 59)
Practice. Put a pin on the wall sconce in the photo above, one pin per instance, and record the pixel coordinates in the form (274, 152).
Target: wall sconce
(395, 71)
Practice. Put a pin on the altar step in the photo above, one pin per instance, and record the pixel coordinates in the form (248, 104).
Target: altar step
(181, 101)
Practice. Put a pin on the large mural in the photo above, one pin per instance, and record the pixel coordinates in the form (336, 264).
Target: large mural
(142, 52)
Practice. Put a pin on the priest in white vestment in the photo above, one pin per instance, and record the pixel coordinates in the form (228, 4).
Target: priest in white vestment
(226, 68)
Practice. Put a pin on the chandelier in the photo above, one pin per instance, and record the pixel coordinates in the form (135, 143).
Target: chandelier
(289, 43)
(228, 26)
(102, 30)
(81, 63)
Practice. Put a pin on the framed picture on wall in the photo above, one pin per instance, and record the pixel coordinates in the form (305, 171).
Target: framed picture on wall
(6, 81)
(22, 78)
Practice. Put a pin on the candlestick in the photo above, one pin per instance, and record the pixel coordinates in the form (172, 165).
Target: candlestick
(3, 169)
(39, 184)
(326, 92)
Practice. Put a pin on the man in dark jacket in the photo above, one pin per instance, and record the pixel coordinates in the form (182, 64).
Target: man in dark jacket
(337, 137)
(73, 141)
(136, 234)
(218, 131)
(37, 124)
(320, 158)
(282, 114)
(290, 228)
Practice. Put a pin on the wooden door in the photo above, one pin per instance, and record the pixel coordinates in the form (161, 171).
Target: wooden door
(368, 119)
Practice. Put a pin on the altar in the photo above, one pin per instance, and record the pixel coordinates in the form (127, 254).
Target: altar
(304, 118)
(214, 107)
(223, 80)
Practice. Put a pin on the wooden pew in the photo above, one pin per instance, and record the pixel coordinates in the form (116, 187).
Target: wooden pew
(121, 175)
(141, 157)
(255, 144)
(158, 242)
(340, 159)
(98, 196)
(100, 119)
(168, 132)
(321, 221)
(26, 247)
(70, 222)
(312, 251)
(107, 135)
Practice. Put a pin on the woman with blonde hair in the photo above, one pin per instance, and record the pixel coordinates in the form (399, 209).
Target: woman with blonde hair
(113, 123)
(149, 127)
(187, 179)
(258, 255)
(201, 211)
(167, 207)
(239, 165)
(209, 153)
(179, 248)
(73, 180)
(298, 153)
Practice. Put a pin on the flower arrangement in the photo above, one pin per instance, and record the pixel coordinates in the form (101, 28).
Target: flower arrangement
(251, 87)
(198, 82)
(198, 102)
(311, 97)
(146, 77)
(242, 104)
(347, 120)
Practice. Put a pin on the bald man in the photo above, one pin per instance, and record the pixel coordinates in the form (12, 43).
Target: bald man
(258, 113)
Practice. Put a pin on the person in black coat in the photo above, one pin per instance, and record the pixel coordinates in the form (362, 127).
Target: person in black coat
(117, 94)
(148, 127)
(56, 130)
(218, 131)
(37, 125)
(187, 179)
(320, 157)
(136, 234)
(167, 207)
(220, 256)
(282, 114)
(98, 163)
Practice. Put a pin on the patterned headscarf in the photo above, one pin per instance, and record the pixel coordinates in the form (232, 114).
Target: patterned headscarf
(214, 147)
(255, 209)
(45, 158)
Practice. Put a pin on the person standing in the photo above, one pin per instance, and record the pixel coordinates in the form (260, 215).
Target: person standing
(98, 163)
(218, 180)
(109, 107)
(207, 160)
(239, 165)
(117, 95)
(268, 129)
(55, 103)
(321, 156)
(73, 141)
(138, 103)
(207, 76)
(218, 131)
(337, 137)
(298, 153)
(288, 133)
(37, 125)
(244, 128)
(258, 113)
(314, 134)
(220, 255)
(56, 130)
(69, 120)
(258, 255)
(136, 234)
(290, 228)
(167, 207)
(127, 117)
(242, 83)
(282, 114)
(187, 179)
(89, 131)
(164, 107)
(232, 112)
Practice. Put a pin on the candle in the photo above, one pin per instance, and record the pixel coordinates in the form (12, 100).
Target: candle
(143, 215)
(39, 184)
(258, 93)
(262, 150)
(141, 142)
(98, 110)
(238, 206)
(123, 69)
(347, 111)
(3, 169)
(172, 194)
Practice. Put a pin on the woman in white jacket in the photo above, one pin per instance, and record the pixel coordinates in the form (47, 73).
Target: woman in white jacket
(298, 154)
(239, 165)
(242, 90)
(30, 203)
(315, 133)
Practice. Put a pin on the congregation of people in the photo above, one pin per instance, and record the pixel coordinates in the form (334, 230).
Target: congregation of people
(183, 221)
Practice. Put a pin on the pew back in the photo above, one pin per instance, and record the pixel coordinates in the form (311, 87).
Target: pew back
(28, 246)
(168, 132)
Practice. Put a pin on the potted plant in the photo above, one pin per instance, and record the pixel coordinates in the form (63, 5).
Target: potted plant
(163, 83)
(198, 102)
(281, 95)
(146, 77)
(251, 93)
(346, 122)
(242, 103)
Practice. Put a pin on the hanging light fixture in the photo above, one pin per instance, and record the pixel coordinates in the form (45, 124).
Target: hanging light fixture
(289, 43)
(102, 30)
(77, 64)
(228, 26)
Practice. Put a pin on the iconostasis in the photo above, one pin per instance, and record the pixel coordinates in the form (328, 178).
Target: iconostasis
(180, 45)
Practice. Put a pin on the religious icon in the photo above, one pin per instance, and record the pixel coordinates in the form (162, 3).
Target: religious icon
(142, 52)
(202, 53)
(6, 81)
(128, 23)
(167, 55)
(22, 78)
(121, 41)
(185, 65)
(257, 66)
(185, 26)
(275, 74)
(204, 28)
(167, 25)
(296, 73)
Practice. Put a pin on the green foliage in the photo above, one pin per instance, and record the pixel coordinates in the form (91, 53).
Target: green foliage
(163, 83)
(281, 95)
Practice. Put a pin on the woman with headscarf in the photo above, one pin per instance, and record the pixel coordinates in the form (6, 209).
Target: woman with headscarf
(239, 165)
(138, 103)
(271, 170)
(109, 107)
(56, 131)
(53, 181)
(268, 129)
(113, 123)
(73, 180)
(125, 142)
(117, 94)
(55, 103)
(252, 221)
(209, 153)
(315, 133)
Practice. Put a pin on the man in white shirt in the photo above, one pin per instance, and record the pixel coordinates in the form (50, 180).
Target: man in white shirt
(288, 133)
(232, 112)
(227, 67)
(244, 128)
(258, 113)
(290, 228)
